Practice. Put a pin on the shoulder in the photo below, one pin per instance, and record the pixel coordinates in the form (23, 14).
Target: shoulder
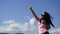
(43, 21)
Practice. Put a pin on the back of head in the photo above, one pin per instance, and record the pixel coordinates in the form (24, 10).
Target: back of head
(46, 16)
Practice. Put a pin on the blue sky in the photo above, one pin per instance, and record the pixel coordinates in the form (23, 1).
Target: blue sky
(18, 11)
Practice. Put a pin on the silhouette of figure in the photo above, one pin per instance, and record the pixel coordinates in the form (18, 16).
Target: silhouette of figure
(44, 22)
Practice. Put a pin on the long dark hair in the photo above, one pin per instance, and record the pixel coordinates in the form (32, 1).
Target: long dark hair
(47, 18)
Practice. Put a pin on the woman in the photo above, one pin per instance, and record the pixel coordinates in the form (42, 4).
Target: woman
(44, 22)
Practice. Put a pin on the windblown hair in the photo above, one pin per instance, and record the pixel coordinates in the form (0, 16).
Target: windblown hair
(47, 19)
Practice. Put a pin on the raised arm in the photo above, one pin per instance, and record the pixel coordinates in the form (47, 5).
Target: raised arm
(33, 13)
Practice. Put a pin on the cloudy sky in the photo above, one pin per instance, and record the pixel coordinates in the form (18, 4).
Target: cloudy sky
(15, 15)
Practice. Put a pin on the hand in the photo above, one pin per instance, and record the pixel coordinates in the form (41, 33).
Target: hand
(30, 7)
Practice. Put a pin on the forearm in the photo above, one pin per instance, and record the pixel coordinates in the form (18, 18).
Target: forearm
(34, 13)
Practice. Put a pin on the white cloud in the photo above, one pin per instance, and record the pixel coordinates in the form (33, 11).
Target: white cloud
(13, 26)
(32, 21)
(33, 28)
(9, 22)
(2, 29)
(24, 27)
(55, 31)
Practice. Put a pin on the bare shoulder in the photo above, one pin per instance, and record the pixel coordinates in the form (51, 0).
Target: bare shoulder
(43, 21)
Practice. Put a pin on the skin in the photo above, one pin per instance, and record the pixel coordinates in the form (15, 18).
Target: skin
(37, 17)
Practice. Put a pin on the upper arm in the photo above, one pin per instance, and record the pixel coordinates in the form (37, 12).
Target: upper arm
(38, 19)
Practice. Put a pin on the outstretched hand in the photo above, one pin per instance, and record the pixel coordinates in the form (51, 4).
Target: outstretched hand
(30, 7)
